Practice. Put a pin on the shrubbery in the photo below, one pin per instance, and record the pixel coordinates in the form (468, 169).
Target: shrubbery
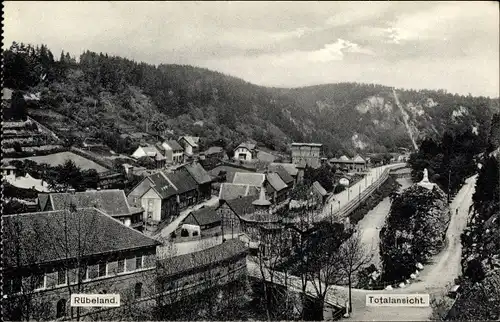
(415, 230)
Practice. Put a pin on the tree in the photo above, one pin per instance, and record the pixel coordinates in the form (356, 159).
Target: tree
(68, 175)
(352, 257)
(324, 269)
(146, 162)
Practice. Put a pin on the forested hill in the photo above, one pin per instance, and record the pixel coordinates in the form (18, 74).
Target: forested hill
(105, 96)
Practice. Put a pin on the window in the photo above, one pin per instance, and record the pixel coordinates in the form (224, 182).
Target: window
(121, 266)
(61, 277)
(61, 308)
(138, 290)
(101, 270)
(39, 281)
(138, 262)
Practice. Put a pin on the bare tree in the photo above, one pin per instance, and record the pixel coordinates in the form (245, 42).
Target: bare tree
(352, 257)
(20, 302)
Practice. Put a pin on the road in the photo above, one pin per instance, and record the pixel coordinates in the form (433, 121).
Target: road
(340, 200)
(435, 277)
(165, 232)
(373, 221)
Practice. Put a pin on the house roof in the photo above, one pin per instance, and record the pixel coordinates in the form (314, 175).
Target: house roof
(276, 182)
(39, 237)
(253, 179)
(284, 175)
(198, 173)
(203, 216)
(8, 167)
(317, 186)
(261, 217)
(214, 150)
(191, 140)
(358, 159)
(242, 206)
(151, 151)
(289, 167)
(113, 202)
(182, 181)
(162, 185)
(230, 191)
(174, 145)
(246, 145)
(210, 256)
(42, 200)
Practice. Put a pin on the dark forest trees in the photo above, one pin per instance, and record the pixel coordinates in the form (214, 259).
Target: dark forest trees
(449, 161)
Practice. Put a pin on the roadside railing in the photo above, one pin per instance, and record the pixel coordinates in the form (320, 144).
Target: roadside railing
(355, 202)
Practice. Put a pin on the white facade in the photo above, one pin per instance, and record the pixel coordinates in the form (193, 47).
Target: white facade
(151, 203)
(177, 155)
(242, 154)
(139, 153)
(344, 181)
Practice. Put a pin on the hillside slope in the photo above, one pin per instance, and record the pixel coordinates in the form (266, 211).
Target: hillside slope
(103, 96)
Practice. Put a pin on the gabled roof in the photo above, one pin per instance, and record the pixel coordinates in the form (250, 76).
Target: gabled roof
(151, 151)
(210, 256)
(344, 158)
(198, 173)
(112, 202)
(40, 237)
(182, 181)
(162, 185)
(317, 186)
(230, 191)
(246, 145)
(214, 150)
(276, 182)
(253, 179)
(203, 216)
(191, 140)
(174, 145)
(358, 159)
(242, 206)
(289, 167)
(42, 200)
(284, 175)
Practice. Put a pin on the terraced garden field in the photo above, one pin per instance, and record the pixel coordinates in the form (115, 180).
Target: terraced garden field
(59, 158)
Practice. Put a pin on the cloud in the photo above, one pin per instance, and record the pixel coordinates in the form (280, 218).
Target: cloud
(337, 50)
(440, 44)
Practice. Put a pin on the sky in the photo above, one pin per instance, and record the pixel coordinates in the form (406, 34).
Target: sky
(434, 45)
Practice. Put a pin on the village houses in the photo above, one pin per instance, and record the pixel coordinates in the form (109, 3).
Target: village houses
(173, 151)
(356, 164)
(245, 152)
(112, 202)
(163, 195)
(190, 144)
